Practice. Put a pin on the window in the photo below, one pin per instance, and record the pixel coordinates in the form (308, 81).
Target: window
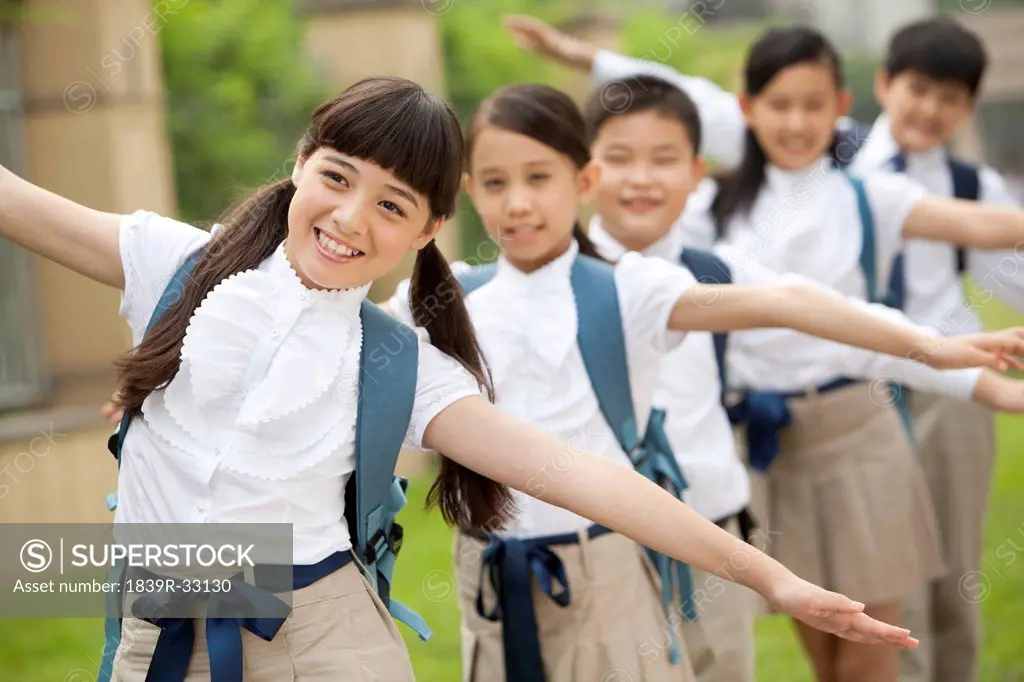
(22, 380)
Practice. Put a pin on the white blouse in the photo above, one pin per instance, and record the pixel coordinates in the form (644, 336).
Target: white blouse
(806, 223)
(527, 327)
(258, 425)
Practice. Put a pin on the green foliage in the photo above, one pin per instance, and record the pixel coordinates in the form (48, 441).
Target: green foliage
(239, 94)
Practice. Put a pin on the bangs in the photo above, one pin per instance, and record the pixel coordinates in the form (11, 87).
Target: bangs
(400, 127)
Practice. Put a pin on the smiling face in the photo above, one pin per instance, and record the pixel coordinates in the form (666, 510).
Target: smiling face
(794, 115)
(527, 194)
(648, 170)
(923, 112)
(351, 222)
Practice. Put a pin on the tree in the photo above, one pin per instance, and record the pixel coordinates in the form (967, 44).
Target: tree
(239, 95)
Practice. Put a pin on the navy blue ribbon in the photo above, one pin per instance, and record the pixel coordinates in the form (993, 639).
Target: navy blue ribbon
(223, 634)
(765, 414)
(509, 564)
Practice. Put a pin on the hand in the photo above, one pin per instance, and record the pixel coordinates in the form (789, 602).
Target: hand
(993, 350)
(111, 411)
(535, 36)
(835, 614)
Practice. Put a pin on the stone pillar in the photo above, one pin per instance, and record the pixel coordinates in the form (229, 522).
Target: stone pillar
(348, 40)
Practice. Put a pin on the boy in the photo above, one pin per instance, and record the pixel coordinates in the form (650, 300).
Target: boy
(927, 88)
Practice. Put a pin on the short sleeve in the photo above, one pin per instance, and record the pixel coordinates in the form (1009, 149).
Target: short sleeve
(892, 196)
(440, 381)
(152, 248)
(649, 289)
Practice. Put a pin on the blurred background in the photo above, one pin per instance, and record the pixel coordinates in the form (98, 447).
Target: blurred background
(180, 106)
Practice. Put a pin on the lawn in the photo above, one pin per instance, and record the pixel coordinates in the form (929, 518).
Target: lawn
(67, 650)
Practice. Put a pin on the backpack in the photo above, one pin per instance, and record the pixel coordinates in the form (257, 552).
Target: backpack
(708, 268)
(602, 344)
(373, 495)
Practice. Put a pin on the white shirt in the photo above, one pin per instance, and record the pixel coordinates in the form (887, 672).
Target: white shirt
(527, 327)
(258, 425)
(807, 223)
(935, 294)
(689, 387)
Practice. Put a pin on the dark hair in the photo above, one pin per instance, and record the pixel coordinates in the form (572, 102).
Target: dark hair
(398, 126)
(644, 93)
(776, 50)
(939, 48)
(544, 114)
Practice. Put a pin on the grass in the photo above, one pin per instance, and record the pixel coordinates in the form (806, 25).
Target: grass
(50, 650)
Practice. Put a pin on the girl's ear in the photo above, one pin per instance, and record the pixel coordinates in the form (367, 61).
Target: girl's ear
(745, 106)
(467, 184)
(845, 102)
(430, 231)
(588, 182)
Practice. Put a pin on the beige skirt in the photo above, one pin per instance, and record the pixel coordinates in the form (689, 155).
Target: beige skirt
(339, 631)
(847, 504)
(614, 630)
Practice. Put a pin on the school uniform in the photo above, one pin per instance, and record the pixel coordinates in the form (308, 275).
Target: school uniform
(955, 443)
(258, 426)
(699, 430)
(611, 618)
(844, 455)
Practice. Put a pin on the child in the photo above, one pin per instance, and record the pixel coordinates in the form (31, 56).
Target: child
(927, 87)
(529, 172)
(648, 156)
(240, 394)
(785, 180)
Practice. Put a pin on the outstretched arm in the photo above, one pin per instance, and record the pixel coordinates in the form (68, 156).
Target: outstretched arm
(820, 312)
(479, 436)
(965, 223)
(721, 117)
(80, 238)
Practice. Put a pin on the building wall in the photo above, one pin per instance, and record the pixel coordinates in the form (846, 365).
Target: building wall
(93, 130)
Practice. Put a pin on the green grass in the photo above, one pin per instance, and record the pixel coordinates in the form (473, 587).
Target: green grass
(68, 650)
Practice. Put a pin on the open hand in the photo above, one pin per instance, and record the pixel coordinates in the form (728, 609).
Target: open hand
(836, 614)
(535, 36)
(995, 350)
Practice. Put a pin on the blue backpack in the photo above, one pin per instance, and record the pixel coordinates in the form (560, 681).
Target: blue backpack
(603, 347)
(374, 495)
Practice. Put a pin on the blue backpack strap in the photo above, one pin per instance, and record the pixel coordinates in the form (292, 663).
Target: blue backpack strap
(387, 391)
(112, 624)
(602, 344)
(849, 141)
(967, 186)
(710, 269)
(471, 280)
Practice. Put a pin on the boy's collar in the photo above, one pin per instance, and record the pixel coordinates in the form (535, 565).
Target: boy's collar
(880, 147)
(669, 247)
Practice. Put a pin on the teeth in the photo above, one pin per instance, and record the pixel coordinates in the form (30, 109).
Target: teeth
(335, 247)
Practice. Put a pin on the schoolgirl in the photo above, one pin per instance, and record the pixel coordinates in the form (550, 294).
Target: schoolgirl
(649, 167)
(576, 602)
(241, 395)
(786, 207)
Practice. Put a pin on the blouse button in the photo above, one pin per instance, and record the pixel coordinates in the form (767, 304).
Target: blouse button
(303, 296)
(273, 333)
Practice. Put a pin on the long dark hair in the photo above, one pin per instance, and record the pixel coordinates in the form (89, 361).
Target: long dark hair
(397, 125)
(775, 50)
(543, 114)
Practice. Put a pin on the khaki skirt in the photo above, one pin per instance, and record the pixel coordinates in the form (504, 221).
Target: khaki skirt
(614, 630)
(339, 631)
(847, 506)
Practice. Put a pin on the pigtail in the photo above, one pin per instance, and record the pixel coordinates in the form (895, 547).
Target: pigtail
(466, 499)
(737, 189)
(587, 247)
(252, 230)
